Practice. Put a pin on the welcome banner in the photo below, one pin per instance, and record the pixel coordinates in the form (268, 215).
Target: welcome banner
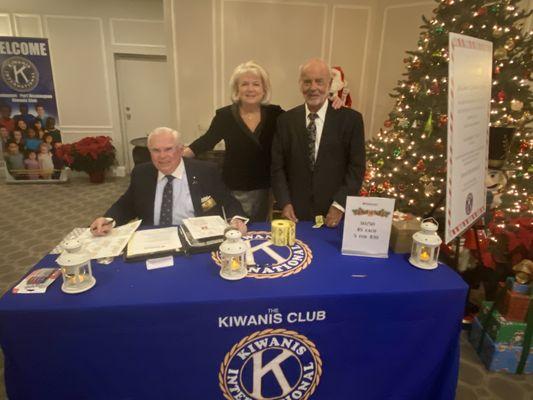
(28, 111)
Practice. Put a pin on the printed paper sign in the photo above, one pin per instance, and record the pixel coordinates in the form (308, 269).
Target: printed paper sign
(367, 226)
(470, 78)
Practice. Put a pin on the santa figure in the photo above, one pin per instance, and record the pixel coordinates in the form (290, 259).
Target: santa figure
(339, 87)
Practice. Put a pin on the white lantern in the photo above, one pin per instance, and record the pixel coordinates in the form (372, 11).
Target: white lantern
(426, 245)
(76, 268)
(233, 256)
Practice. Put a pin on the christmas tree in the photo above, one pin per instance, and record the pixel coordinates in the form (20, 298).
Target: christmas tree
(407, 159)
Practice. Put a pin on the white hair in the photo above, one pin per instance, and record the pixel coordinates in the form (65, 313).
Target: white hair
(164, 130)
(311, 61)
(256, 69)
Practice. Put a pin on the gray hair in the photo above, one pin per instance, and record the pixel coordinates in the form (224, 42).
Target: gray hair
(164, 130)
(313, 60)
(256, 69)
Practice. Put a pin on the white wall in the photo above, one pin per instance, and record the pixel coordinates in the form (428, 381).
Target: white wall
(208, 38)
(84, 37)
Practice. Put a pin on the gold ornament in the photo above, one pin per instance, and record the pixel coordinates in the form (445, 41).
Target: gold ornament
(516, 105)
(500, 53)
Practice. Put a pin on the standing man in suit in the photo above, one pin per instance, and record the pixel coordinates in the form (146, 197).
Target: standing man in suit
(170, 189)
(318, 153)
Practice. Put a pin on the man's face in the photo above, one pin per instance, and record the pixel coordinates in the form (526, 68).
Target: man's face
(40, 111)
(3, 133)
(23, 109)
(165, 153)
(315, 82)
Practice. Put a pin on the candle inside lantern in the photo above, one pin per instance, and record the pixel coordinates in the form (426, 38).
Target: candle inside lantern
(424, 255)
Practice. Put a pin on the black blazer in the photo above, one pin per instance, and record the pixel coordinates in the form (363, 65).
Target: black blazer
(204, 180)
(247, 156)
(339, 168)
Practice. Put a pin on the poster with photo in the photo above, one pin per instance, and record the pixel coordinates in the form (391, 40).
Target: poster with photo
(29, 119)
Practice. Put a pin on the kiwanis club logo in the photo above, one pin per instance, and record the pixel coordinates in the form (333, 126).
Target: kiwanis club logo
(268, 261)
(20, 74)
(270, 365)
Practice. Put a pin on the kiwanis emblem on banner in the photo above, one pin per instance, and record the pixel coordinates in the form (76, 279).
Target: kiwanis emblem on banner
(268, 261)
(271, 364)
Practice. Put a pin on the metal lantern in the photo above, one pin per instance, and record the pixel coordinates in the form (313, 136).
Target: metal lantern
(76, 268)
(233, 256)
(426, 245)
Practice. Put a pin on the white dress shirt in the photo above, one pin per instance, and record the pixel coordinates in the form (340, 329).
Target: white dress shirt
(182, 206)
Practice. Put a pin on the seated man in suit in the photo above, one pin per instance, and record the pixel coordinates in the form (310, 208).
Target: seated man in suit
(318, 152)
(170, 188)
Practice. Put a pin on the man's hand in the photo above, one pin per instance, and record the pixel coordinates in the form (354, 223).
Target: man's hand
(101, 226)
(334, 217)
(188, 153)
(239, 224)
(288, 212)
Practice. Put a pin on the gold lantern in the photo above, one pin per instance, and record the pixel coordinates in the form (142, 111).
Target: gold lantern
(426, 245)
(233, 256)
(75, 268)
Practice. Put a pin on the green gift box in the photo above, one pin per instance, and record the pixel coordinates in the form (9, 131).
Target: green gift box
(499, 328)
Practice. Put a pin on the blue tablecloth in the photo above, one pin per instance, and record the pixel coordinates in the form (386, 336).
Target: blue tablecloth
(341, 328)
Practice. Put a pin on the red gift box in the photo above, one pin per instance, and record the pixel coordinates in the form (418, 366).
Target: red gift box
(514, 306)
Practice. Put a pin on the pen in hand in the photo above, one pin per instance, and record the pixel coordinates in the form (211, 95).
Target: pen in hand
(99, 227)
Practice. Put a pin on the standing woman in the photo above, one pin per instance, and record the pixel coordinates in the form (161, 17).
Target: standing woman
(247, 127)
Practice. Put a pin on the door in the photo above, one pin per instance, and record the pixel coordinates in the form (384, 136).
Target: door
(144, 97)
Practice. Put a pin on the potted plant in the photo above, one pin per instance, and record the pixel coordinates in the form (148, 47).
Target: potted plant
(93, 155)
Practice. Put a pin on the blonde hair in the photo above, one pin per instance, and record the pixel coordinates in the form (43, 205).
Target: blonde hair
(256, 69)
(163, 130)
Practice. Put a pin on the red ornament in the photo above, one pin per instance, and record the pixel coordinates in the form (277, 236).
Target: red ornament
(482, 11)
(523, 146)
(387, 123)
(501, 95)
(363, 192)
(443, 120)
(497, 70)
(420, 166)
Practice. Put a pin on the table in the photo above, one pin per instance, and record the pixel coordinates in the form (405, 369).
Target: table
(339, 328)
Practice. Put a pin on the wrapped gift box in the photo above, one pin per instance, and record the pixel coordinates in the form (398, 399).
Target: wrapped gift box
(500, 329)
(514, 306)
(498, 356)
(403, 228)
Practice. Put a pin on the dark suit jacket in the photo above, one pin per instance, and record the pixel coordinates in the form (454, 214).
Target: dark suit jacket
(339, 168)
(247, 156)
(204, 180)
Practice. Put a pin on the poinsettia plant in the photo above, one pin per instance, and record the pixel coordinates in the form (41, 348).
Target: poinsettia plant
(90, 154)
(512, 239)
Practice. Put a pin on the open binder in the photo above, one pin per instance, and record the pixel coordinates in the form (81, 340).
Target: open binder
(195, 235)
(153, 243)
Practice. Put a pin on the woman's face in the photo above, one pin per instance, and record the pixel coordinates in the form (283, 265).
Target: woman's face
(38, 125)
(17, 135)
(31, 133)
(22, 124)
(250, 89)
(48, 139)
(32, 155)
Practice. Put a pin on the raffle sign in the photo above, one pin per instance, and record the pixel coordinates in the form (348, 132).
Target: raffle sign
(28, 110)
(469, 77)
(367, 226)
